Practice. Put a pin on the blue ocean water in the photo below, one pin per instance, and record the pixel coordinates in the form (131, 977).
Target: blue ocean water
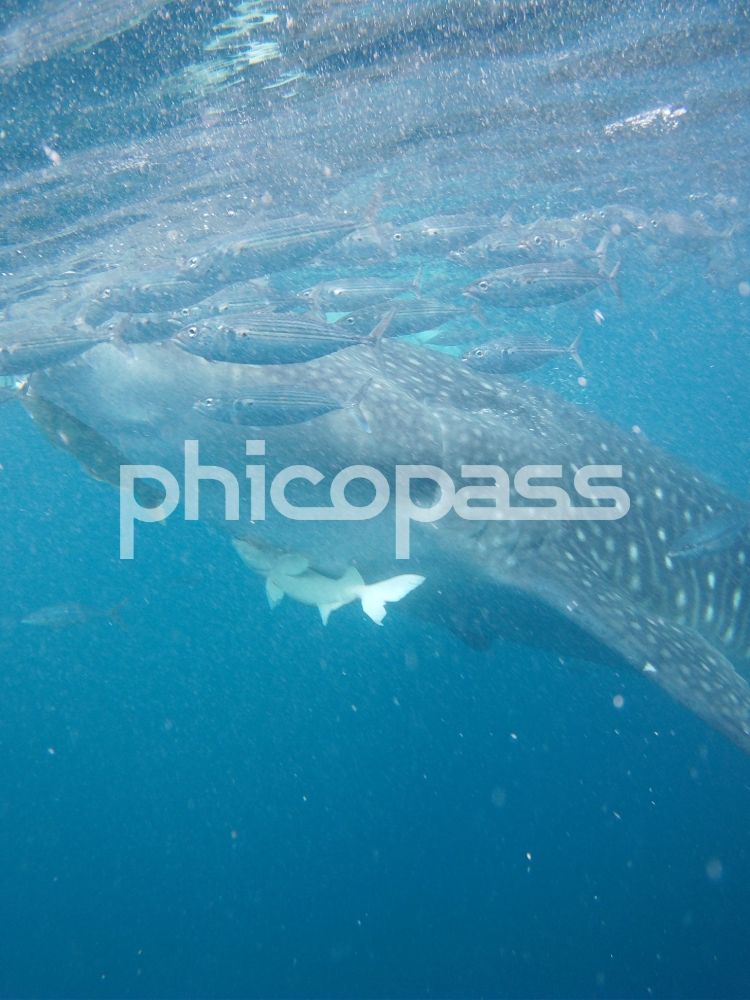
(203, 797)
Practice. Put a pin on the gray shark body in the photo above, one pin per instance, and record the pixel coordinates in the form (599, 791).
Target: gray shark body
(604, 590)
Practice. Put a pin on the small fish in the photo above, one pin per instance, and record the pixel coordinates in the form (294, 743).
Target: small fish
(23, 356)
(274, 246)
(346, 294)
(268, 339)
(508, 356)
(439, 234)
(410, 316)
(714, 535)
(543, 284)
(150, 328)
(278, 407)
(248, 296)
(161, 294)
(66, 615)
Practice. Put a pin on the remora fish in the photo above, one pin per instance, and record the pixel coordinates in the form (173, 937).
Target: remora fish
(605, 590)
(542, 284)
(509, 356)
(290, 575)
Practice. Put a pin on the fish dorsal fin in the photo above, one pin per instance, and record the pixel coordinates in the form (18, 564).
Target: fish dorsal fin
(291, 564)
(352, 577)
(675, 657)
(274, 593)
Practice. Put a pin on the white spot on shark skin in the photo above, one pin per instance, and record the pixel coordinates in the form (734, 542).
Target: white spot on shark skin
(659, 493)
(741, 557)
(687, 516)
(609, 545)
(635, 582)
(681, 599)
(729, 634)
(668, 563)
(633, 552)
(661, 535)
(711, 580)
(709, 615)
(737, 599)
(649, 668)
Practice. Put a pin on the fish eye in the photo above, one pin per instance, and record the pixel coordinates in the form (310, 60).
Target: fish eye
(350, 320)
(654, 223)
(397, 237)
(479, 352)
(184, 311)
(431, 231)
(192, 330)
(338, 291)
(307, 293)
(483, 285)
(106, 293)
(193, 262)
(538, 241)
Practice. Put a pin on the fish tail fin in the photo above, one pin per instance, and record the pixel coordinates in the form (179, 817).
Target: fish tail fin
(376, 203)
(573, 350)
(478, 313)
(375, 596)
(355, 404)
(612, 280)
(602, 246)
(378, 332)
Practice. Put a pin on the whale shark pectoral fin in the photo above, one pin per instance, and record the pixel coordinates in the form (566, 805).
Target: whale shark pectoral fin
(675, 657)
(274, 593)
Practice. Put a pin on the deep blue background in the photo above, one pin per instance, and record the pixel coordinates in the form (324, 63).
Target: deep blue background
(214, 800)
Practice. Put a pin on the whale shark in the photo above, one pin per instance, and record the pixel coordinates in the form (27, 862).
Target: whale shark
(604, 590)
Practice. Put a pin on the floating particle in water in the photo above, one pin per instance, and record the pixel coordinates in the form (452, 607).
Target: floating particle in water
(498, 797)
(52, 155)
(714, 869)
